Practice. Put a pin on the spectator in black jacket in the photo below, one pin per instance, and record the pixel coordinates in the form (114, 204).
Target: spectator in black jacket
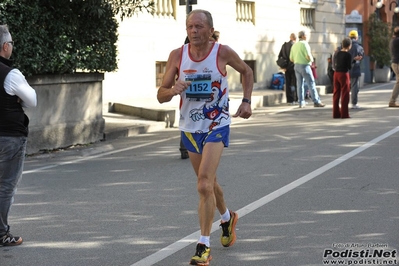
(15, 93)
(290, 79)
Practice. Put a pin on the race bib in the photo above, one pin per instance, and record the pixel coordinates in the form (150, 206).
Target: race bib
(200, 88)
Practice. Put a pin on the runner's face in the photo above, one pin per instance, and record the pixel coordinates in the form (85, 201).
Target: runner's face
(198, 29)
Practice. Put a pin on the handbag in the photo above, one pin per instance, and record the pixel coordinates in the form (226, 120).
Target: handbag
(313, 68)
(282, 63)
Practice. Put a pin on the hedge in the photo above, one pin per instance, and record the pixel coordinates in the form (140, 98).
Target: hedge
(61, 36)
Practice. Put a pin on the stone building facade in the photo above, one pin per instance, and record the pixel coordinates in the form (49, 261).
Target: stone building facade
(254, 29)
(357, 15)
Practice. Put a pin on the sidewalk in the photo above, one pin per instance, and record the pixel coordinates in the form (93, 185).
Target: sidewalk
(121, 124)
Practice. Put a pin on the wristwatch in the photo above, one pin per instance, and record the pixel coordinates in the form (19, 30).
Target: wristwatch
(245, 100)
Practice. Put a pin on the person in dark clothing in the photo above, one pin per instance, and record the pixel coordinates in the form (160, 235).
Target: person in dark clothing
(357, 53)
(290, 79)
(15, 93)
(330, 70)
(343, 63)
(394, 48)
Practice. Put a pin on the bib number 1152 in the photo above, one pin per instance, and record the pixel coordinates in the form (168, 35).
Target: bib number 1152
(200, 87)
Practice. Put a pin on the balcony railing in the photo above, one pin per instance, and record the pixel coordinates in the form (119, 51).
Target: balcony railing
(245, 11)
(165, 8)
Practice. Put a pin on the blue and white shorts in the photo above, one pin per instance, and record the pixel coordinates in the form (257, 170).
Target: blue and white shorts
(195, 142)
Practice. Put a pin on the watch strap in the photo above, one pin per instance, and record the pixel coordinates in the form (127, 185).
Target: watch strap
(245, 100)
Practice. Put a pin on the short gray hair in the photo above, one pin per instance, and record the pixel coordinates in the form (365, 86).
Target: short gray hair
(207, 14)
(5, 35)
(301, 34)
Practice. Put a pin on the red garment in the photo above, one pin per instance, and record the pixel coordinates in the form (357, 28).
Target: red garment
(313, 67)
(341, 91)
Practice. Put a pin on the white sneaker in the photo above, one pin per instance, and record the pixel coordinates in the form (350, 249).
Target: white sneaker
(355, 106)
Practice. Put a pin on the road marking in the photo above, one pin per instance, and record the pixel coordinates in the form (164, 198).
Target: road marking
(97, 156)
(105, 153)
(190, 239)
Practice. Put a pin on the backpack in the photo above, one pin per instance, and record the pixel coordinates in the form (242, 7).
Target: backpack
(283, 60)
(278, 81)
(282, 63)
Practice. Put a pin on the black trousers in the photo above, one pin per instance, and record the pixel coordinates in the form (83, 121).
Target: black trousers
(290, 82)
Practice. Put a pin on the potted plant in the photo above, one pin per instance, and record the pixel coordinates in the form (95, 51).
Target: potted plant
(379, 37)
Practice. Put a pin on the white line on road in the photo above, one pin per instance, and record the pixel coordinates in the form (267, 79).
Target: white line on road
(96, 156)
(104, 154)
(186, 241)
(192, 238)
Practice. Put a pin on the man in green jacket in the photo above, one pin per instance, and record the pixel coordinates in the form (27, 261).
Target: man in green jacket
(302, 57)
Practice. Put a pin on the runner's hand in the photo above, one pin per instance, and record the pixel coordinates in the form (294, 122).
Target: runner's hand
(179, 87)
(244, 111)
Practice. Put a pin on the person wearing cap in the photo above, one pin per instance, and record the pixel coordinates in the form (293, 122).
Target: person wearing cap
(357, 53)
(302, 58)
(394, 48)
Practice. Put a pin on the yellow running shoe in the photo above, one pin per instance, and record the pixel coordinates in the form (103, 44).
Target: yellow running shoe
(202, 256)
(228, 236)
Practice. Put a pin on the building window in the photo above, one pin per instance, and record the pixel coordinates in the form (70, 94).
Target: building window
(307, 17)
(252, 65)
(160, 69)
(245, 11)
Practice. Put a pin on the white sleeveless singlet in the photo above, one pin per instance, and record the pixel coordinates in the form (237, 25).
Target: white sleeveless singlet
(204, 106)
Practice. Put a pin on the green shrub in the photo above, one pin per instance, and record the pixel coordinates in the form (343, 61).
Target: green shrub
(379, 37)
(61, 36)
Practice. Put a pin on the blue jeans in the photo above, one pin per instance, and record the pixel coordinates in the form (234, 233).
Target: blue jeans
(12, 157)
(304, 73)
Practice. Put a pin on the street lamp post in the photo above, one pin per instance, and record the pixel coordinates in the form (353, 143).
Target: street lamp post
(379, 4)
(188, 3)
(396, 9)
(188, 6)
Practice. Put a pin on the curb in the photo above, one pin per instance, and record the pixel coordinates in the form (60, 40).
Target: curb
(123, 120)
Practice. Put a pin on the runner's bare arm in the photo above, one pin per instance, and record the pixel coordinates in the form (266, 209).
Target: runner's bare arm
(229, 57)
(170, 87)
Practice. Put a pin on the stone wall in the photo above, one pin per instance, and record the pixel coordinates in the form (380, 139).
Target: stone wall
(68, 112)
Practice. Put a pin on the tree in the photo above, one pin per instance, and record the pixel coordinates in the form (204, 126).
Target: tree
(66, 36)
(127, 8)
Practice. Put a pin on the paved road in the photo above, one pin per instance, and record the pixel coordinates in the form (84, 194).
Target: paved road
(304, 185)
